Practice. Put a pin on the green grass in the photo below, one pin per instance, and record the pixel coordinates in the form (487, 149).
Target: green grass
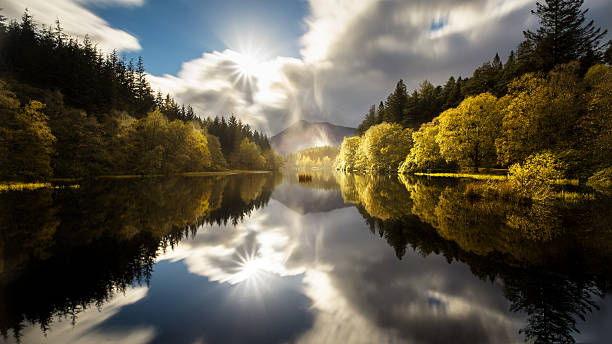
(22, 186)
(18, 186)
(574, 182)
(478, 176)
(485, 176)
(186, 174)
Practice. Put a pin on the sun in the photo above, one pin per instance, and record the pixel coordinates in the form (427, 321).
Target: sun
(246, 65)
(250, 268)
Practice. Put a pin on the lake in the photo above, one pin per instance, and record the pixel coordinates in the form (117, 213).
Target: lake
(262, 258)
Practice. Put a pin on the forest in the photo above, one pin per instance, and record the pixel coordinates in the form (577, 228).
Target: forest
(316, 157)
(546, 111)
(68, 110)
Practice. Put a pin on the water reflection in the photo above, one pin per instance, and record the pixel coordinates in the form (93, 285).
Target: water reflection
(552, 259)
(263, 259)
(85, 245)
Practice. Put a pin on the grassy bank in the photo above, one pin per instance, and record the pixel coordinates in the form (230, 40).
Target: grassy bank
(486, 176)
(18, 186)
(73, 182)
(477, 176)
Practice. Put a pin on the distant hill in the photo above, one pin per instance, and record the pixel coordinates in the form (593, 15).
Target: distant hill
(303, 134)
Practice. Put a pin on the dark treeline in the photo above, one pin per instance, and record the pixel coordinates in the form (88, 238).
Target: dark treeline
(242, 147)
(69, 110)
(89, 243)
(564, 36)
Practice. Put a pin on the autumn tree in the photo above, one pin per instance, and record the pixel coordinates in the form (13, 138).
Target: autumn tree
(218, 160)
(347, 158)
(385, 146)
(539, 113)
(595, 127)
(425, 153)
(467, 133)
(248, 156)
(79, 149)
(26, 141)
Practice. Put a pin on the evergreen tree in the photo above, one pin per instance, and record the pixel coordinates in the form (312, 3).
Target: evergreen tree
(396, 104)
(452, 93)
(370, 120)
(380, 115)
(564, 34)
(608, 54)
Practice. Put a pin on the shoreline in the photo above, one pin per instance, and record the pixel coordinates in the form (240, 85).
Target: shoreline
(74, 182)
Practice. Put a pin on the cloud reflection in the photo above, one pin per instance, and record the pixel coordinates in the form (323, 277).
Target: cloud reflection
(63, 330)
(360, 292)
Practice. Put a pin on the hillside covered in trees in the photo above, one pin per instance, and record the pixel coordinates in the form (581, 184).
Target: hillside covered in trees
(551, 98)
(69, 110)
(316, 157)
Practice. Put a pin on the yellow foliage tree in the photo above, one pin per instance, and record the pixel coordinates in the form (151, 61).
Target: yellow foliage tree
(26, 142)
(596, 126)
(539, 114)
(467, 133)
(248, 156)
(385, 147)
(425, 153)
(347, 158)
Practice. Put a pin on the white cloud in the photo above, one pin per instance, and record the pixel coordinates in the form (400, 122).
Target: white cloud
(77, 20)
(263, 93)
(84, 330)
(113, 2)
(352, 54)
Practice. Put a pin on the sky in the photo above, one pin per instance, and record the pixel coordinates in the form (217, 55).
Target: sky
(274, 62)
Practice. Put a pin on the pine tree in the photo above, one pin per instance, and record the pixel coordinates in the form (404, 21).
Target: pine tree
(564, 34)
(396, 104)
(608, 54)
(497, 64)
(2, 22)
(452, 93)
(370, 120)
(380, 115)
(508, 73)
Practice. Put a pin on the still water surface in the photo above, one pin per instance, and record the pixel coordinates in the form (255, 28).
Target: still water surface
(264, 259)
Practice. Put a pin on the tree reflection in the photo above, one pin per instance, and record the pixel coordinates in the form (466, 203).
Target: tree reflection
(554, 259)
(84, 245)
(381, 196)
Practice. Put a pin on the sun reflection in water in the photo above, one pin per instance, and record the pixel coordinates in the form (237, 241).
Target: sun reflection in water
(249, 268)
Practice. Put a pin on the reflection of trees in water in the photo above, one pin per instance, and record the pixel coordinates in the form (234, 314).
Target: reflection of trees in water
(554, 259)
(84, 245)
(380, 195)
(323, 179)
(241, 194)
(552, 303)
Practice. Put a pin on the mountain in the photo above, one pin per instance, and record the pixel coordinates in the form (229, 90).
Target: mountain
(303, 134)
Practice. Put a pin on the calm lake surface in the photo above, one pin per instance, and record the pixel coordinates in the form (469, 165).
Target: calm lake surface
(261, 258)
